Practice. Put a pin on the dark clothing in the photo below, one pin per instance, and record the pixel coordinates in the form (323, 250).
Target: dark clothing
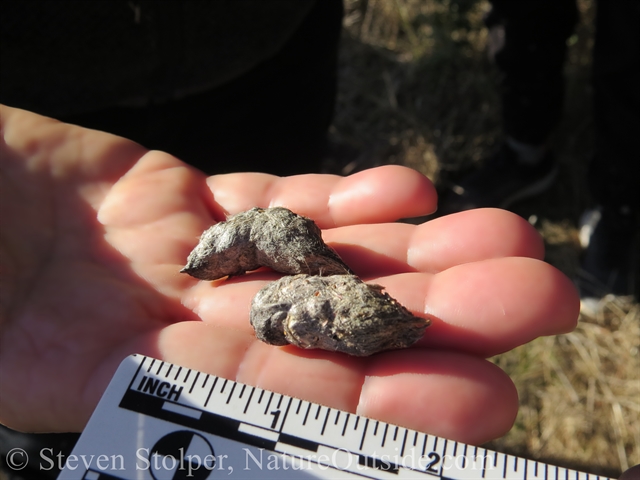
(226, 86)
(614, 173)
(69, 57)
(532, 59)
(536, 32)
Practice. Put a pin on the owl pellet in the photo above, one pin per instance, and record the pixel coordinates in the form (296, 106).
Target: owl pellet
(338, 313)
(263, 237)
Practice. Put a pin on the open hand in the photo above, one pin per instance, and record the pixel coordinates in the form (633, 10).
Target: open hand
(95, 230)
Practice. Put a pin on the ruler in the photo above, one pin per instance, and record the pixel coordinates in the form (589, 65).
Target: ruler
(159, 421)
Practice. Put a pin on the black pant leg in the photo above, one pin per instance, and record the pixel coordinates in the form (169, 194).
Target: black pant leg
(614, 173)
(531, 61)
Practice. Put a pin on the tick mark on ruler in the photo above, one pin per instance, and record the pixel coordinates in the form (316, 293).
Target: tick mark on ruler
(210, 390)
(266, 409)
(304, 422)
(384, 435)
(193, 384)
(364, 432)
(253, 389)
(484, 464)
(231, 392)
(326, 417)
(346, 421)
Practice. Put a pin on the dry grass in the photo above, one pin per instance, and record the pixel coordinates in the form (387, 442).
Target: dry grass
(580, 393)
(416, 88)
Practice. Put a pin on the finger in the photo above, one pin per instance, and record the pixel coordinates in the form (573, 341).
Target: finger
(155, 213)
(227, 303)
(378, 250)
(385, 249)
(161, 188)
(491, 306)
(380, 194)
(444, 393)
(484, 308)
(448, 394)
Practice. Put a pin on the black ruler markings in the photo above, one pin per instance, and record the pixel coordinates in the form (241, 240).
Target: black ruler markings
(135, 375)
(346, 421)
(286, 414)
(160, 365)
(246, 406)
(306, 415)
(193, 384)
(213, 423)
(231, 392)
(364, 432)
(404, 442)
(227, 427)
(324, 424)
(211, 391)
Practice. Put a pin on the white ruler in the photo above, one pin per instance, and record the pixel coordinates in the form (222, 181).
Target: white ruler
(162, 421)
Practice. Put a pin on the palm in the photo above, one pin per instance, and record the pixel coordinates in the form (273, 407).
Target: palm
(95, 232)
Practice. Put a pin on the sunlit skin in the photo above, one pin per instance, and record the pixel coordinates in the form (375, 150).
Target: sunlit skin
(95, 230)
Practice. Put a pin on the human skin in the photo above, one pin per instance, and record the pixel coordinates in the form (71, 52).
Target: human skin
(95, 229)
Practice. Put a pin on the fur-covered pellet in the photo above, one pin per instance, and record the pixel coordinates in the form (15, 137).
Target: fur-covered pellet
(263, 237)
(338, 313)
